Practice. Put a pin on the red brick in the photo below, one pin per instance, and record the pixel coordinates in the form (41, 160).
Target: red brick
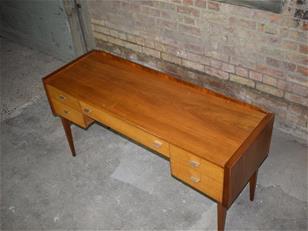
(188, 2)
(279, 64)
(281, 84)
(188, 10)
(297, 58)
(213, 5)
(275, 18)
(305, 25)
(290, 45)
(269, 71)
(255, 76)
(302, 70)
(303, 49)
(200, 3)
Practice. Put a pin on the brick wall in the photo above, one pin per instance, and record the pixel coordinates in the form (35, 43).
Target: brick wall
(257, 56)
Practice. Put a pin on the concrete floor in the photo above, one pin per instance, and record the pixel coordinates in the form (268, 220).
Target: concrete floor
(113, 183)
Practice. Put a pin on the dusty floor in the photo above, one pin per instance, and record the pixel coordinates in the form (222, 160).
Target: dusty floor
(113, 183)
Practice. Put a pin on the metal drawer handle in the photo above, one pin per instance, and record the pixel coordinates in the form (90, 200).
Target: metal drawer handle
(66, 112)
(157, 143)
(195, 179)
(87, 110)
(62, 97)
(194, 163)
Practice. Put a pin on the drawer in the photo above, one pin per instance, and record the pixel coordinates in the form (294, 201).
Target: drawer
(71, 114)
(63, 97)
(198, 180)
(126, 129)
(192, 161)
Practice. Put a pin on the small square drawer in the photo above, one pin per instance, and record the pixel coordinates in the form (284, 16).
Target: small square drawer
(71, 114)
(192, 161)
(63, 97)
(198, 180)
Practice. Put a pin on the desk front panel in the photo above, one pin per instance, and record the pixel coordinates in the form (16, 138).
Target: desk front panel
(126, 129)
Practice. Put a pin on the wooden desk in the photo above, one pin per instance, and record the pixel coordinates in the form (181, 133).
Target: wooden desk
(215, 144)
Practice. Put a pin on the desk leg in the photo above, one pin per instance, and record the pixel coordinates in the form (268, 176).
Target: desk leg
(252, 185)
(68, 132)
(221, 216)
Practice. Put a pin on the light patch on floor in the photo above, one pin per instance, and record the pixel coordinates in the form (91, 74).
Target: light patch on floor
(141, 169)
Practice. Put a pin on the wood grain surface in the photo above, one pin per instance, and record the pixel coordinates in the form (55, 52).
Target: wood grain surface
(207, 124)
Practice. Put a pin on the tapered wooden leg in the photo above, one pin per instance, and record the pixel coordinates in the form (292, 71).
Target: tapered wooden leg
(221, 216)
(252, 185)
(68, 132)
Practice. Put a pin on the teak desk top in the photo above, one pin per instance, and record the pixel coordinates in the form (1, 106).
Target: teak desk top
(215, 144)
(207, 124)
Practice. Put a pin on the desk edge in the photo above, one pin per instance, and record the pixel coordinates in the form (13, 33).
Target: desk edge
(247, 159)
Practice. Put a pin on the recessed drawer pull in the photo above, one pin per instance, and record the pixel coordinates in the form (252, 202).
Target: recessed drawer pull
(195, 179)
(66, 111)
(61, 97)
(86, 110)
(194, 163)
(157, 144)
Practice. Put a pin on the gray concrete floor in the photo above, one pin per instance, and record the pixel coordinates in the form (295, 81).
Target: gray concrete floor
(113, 183)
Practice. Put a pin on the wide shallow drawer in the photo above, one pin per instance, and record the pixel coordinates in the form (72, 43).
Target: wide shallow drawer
(126, 129)
(190, 160)
(71, 114)
(198, 180)
(63, 97)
